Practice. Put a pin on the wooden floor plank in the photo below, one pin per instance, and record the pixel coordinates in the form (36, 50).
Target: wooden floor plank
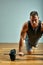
(27, 60)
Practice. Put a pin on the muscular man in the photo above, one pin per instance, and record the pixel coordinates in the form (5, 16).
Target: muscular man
(31, 32)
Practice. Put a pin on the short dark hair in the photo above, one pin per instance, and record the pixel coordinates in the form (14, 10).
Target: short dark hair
(33, 13)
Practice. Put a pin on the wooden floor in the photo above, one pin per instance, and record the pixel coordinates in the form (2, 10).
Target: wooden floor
(27, 60)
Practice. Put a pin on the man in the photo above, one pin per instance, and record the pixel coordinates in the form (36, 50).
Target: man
(31, 32)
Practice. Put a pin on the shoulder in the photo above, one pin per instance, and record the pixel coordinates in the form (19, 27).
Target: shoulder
(41, 26)
(25, 25)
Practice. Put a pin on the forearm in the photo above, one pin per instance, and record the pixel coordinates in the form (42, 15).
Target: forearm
(20, 44)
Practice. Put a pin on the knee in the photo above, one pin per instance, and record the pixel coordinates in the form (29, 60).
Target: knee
(30, 51)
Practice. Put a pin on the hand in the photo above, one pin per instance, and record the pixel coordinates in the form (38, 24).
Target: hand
(21, 54)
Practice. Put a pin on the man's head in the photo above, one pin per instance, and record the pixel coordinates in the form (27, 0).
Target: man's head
(34, 19)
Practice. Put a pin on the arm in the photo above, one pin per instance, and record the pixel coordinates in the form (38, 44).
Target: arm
(23, 36)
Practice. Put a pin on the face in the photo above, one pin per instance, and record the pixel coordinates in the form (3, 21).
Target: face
(34, 20)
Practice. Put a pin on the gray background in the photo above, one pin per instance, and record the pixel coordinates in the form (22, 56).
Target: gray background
(13, 14)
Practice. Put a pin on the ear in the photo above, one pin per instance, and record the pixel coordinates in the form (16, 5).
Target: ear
(38, 17)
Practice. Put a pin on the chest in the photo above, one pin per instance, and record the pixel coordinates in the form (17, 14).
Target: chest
(34, 33)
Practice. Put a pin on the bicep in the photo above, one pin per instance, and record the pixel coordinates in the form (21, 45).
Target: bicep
(24, 30)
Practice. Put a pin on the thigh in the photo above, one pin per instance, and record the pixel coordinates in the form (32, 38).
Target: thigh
(28, 45)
